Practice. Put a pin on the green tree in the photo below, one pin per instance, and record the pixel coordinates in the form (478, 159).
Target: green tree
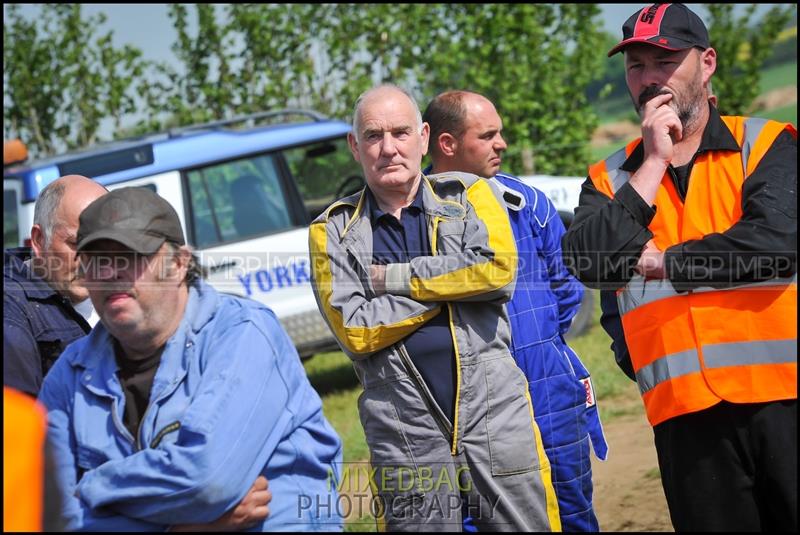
(527, 58)
(277, 69)
(199, 87)
(536, 62)
(246, 59)
(61, 79)
(742, 47)
(369, 44)
(530, 60)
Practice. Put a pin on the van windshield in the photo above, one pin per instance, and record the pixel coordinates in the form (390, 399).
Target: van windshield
(236, 200)
(324, 172)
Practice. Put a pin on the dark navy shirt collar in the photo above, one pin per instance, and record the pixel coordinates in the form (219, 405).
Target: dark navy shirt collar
(375, 212)
(716, 136)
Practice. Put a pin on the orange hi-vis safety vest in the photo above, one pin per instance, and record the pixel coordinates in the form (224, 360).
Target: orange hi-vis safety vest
(24, 427)
(692, 350)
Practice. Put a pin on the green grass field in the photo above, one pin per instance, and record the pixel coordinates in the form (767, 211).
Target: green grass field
(778, 76)
(333, 376)
(612, 110)
(600, 152)
(774, 78)
(787, 114)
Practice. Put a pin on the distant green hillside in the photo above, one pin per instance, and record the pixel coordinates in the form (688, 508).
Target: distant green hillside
(779, 76)
(785, 114)
(776, 77)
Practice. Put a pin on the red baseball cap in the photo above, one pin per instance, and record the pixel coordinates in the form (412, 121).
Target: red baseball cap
(669, 26)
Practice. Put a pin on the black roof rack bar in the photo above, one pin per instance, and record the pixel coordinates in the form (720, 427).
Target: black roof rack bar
(251, 117)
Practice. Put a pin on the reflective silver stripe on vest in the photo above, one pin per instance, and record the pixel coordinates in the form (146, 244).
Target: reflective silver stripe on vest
(666, 368)
(616, 176)
(639, 292)
(716, 356)
(745, 353)
(752, 129)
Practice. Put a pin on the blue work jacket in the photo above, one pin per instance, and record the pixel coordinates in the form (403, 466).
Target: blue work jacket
(230, 400)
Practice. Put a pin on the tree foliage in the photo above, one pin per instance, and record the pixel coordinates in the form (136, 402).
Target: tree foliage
(526, 58)
(61, 79)
(742, 49)
(529, 60)
(241, 60)
(537, 62)
(368, 44)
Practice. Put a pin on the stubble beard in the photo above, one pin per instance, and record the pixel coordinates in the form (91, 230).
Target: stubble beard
(686, 104)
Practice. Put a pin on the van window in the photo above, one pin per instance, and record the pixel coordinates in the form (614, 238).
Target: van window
(10, 219)
(236, 200)
(324, 172)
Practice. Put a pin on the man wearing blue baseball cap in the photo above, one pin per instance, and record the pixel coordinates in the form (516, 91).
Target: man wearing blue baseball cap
(690, 232)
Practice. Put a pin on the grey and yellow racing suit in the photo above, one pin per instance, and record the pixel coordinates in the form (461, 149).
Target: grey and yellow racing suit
(489, 461)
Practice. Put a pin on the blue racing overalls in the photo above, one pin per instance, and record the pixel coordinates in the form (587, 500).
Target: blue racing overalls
(545, 300)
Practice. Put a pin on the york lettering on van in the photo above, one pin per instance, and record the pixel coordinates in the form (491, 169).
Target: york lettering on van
(266, 280)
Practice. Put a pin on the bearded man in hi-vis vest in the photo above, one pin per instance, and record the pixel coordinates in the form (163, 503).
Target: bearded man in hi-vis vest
(690, 232)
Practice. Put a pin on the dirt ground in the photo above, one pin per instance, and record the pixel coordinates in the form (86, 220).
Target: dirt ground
(627, 487)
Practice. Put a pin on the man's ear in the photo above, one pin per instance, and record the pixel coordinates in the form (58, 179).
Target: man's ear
(708, 61)
(37, 240)
(448, 144)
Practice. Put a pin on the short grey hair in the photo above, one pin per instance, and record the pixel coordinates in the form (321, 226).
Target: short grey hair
(44, 212)
(368, 92)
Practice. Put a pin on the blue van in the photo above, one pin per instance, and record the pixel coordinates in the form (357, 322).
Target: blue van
(245, 192)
